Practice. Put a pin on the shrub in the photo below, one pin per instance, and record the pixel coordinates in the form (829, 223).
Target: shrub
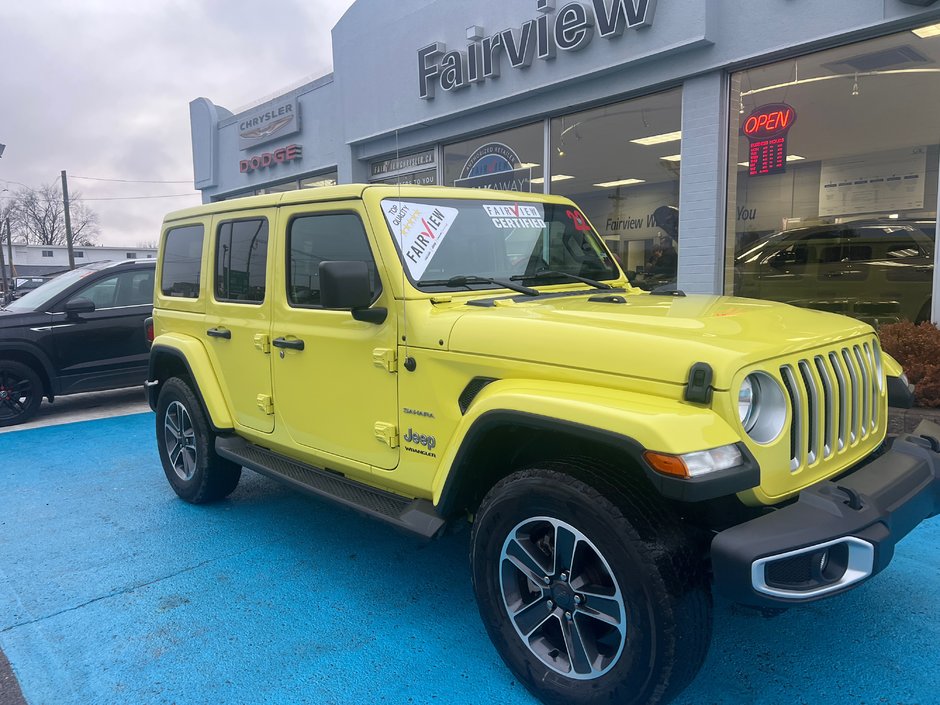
(917, 348)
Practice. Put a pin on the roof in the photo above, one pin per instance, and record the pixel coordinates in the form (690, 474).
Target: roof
(348, 192)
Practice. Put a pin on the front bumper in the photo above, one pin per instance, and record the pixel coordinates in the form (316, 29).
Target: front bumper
(837, 534)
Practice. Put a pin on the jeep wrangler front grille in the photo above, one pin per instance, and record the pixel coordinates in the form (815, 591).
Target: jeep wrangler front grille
(836, 401)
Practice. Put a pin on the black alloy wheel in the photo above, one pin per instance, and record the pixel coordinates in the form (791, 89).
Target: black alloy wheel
(186, 444)
(20, 392)
(590, 587)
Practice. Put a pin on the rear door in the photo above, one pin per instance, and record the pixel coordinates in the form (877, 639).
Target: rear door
(238, 316)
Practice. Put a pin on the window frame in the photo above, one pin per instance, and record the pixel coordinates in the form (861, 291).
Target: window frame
(162, 261)
(288, 237)
(215, 252)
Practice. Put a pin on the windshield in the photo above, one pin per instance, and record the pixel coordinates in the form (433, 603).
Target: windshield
(454, 244)
(37, 299)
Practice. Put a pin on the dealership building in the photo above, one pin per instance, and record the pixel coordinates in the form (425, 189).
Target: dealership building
(786, 149)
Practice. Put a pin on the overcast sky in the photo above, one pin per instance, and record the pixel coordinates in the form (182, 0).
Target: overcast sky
(101, 88)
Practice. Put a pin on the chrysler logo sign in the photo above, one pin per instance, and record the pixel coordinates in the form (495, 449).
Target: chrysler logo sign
(269, 122)
(571, 28)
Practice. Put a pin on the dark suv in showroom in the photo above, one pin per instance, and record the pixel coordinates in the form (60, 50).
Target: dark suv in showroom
(80, 332)
(879, 271)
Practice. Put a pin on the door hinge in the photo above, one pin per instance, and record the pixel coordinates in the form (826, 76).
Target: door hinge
(265, 403)
(387, 433)
(263, 343)
(384, 357)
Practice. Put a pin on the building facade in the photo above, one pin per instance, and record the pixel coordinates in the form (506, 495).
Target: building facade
(783, 149)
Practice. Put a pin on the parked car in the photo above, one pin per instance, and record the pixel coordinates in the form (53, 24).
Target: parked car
(879, 271)
(429, 355)
(79, 332)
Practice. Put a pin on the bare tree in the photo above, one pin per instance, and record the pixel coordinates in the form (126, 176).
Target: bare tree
(147, 244)
(37, 217)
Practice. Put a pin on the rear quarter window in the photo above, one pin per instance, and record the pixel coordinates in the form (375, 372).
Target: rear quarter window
(182, 262)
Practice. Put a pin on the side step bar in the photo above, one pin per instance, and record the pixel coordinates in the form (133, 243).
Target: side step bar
(416, 516)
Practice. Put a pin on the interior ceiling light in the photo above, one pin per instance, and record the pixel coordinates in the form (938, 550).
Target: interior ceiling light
(835, 76)
(790, 158)
(671, 158)
(529, 165)
(931, 30)
(659, 139)
(556, 177)
(622, 182)
(560, 151)
(855, 86)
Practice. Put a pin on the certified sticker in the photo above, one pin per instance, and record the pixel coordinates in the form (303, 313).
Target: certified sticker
(419, 229)
(516, 215)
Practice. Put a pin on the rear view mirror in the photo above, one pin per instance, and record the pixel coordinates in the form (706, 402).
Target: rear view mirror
(347, 285)
(79, 305)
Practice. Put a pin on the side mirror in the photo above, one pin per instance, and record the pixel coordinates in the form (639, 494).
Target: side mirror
(346, 285)
(80, 305)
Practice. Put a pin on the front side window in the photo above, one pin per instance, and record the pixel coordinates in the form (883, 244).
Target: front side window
(313, 239)
(449, 242)
(124, 289)
(241, 260)
(182, 262)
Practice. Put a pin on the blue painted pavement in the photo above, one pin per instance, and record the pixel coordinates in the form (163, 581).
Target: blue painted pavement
(112, 590)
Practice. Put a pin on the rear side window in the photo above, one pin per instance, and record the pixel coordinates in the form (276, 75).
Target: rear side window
(323, 238)
(182, 262)
(241, 259)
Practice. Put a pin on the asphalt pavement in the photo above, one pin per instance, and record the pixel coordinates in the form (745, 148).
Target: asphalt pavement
(112, 590)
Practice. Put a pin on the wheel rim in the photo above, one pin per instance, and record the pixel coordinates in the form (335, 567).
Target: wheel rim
(15, 395)
(180, 439)
(562, 598)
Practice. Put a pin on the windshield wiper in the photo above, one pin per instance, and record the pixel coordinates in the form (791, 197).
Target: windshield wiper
(555, 273)
(465, 279)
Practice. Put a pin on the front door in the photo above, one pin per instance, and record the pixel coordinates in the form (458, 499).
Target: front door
(238, 318)
(106, 348)
(335, 388)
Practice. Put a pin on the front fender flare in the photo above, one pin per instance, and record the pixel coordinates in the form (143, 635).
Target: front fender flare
(629, 421)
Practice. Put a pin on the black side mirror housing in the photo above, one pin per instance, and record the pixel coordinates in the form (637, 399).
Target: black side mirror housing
(346, 285)
(80, 305)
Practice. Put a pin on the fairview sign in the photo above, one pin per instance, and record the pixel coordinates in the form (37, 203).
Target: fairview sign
(571, 28)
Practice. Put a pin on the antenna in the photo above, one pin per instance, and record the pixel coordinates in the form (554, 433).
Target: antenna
(401, 249)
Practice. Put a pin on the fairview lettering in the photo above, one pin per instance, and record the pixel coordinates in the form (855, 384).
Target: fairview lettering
(570, 29)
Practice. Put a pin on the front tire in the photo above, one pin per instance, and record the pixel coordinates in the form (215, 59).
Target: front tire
(590, 589)
(20, 392)
(186, 444)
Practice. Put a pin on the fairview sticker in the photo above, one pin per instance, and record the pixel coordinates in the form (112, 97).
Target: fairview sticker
(516, 215)
(419, 229)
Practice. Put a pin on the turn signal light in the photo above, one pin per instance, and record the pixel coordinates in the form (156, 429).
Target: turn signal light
(666, 464)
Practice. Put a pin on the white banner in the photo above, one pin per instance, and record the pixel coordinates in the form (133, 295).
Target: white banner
(872, 183)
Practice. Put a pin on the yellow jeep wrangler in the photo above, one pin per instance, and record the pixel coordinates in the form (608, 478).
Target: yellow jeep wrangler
(431, 355)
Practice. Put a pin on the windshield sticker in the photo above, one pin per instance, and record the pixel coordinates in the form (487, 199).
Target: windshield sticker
(580, 223)
(516, 215)
(420, 229)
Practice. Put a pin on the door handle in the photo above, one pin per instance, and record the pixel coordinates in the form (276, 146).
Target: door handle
(219, 333)
(292, 344)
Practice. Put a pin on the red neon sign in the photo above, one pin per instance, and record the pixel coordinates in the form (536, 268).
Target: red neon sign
(766, 128)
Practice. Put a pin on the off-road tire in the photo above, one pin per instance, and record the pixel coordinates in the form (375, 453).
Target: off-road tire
(659, 567)
(22, 382)
(195, 471)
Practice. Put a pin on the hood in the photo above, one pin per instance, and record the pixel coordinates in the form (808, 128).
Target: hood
(12, 319)
(648, 337)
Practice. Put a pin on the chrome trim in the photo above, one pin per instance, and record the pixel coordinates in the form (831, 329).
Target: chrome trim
(829, 427)
(834, 360)
(854, 428)
(796, 424)
(812, 412)
(860, 565)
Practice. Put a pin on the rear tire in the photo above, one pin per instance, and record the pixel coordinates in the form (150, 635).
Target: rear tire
(617, 589)
(20, 392)
(186, 444)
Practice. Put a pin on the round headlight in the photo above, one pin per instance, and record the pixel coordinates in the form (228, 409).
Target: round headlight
(746, 403)
(762, 407)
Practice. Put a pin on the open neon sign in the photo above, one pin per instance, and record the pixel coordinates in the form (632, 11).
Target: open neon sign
(766, 128)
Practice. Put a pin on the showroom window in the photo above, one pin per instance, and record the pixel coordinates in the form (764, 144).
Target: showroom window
(832, 185)
(241, 259)
(182, 262)
(620, 163)
(510, 160)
